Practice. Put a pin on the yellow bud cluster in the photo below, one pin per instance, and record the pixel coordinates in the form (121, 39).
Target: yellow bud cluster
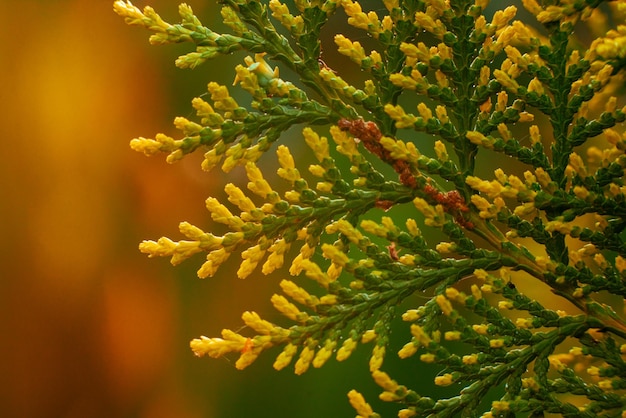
(287, 170)
(506, 80)
(314, 272)
(306, 356)
(502, 18)
(248, 80)
(258, 73)
(288, 309)
(577, 165)
(347, 348)
(344, 227)
(480, 27)
(217, 347)
(606, 384)
(257, 184)
(352, 50)
(611, 46)
(435, 215)
(213, 260)
(478, 138)
(324, 354)
(440, 148)
(383, 380)
(297, 265)
(319, 145)
(346, 145)
(505, 304)
(161, 143)
(411, 315)
(281, 13)
(551, 14)
(434, 26)
(412, 228)
(221, 214)
(285, 357)
(530, 383)
(413, 82)
(445, 247)
(442, 79)
(401, 118)
(499, 406)
(524, 323)
(213, 157)
(195, 233)
(222, 99)
(337, 83)
(317, 170)
(149, 19)
(424, 112)
(444, 380)
(504, 131)
(620, 263)
(181, 250)
(505, 186)
(361, 20)
(236, 197)
(481, 329)
(481, 274)
(476, 292)
(249, 348)
(391, 4)
(485, 288)
(358, 403)
(251, 258)
(556, 362)
(401, 150)
(374, 228)
(486, 209)
(407, 350)
(376, 360)
(232, 20)
(452, 335)
(334, 254)
(236, 155)
(263, 327)
(417, 51)
(419, 335)
(496, 343)
(559, 226)
(543, 178)
(615, 190)
(470, 359)
(600, 260)
(428, 358)
(369, 336)
(333, 272)
(602, 158)
(207, 114)
(444, 305)
(532, 6)
(298, 294)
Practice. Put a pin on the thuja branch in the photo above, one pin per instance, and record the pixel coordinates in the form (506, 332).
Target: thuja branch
(487, 85)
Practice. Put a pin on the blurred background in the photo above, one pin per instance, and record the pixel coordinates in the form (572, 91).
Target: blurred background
(90, 327)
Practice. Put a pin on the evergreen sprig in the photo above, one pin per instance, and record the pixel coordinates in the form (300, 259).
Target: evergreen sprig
(479, 80)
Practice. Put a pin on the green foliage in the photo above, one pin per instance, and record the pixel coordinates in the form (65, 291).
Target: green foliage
(552, 216)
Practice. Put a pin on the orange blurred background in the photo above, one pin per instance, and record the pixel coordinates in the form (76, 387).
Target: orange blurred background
(89, 326)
